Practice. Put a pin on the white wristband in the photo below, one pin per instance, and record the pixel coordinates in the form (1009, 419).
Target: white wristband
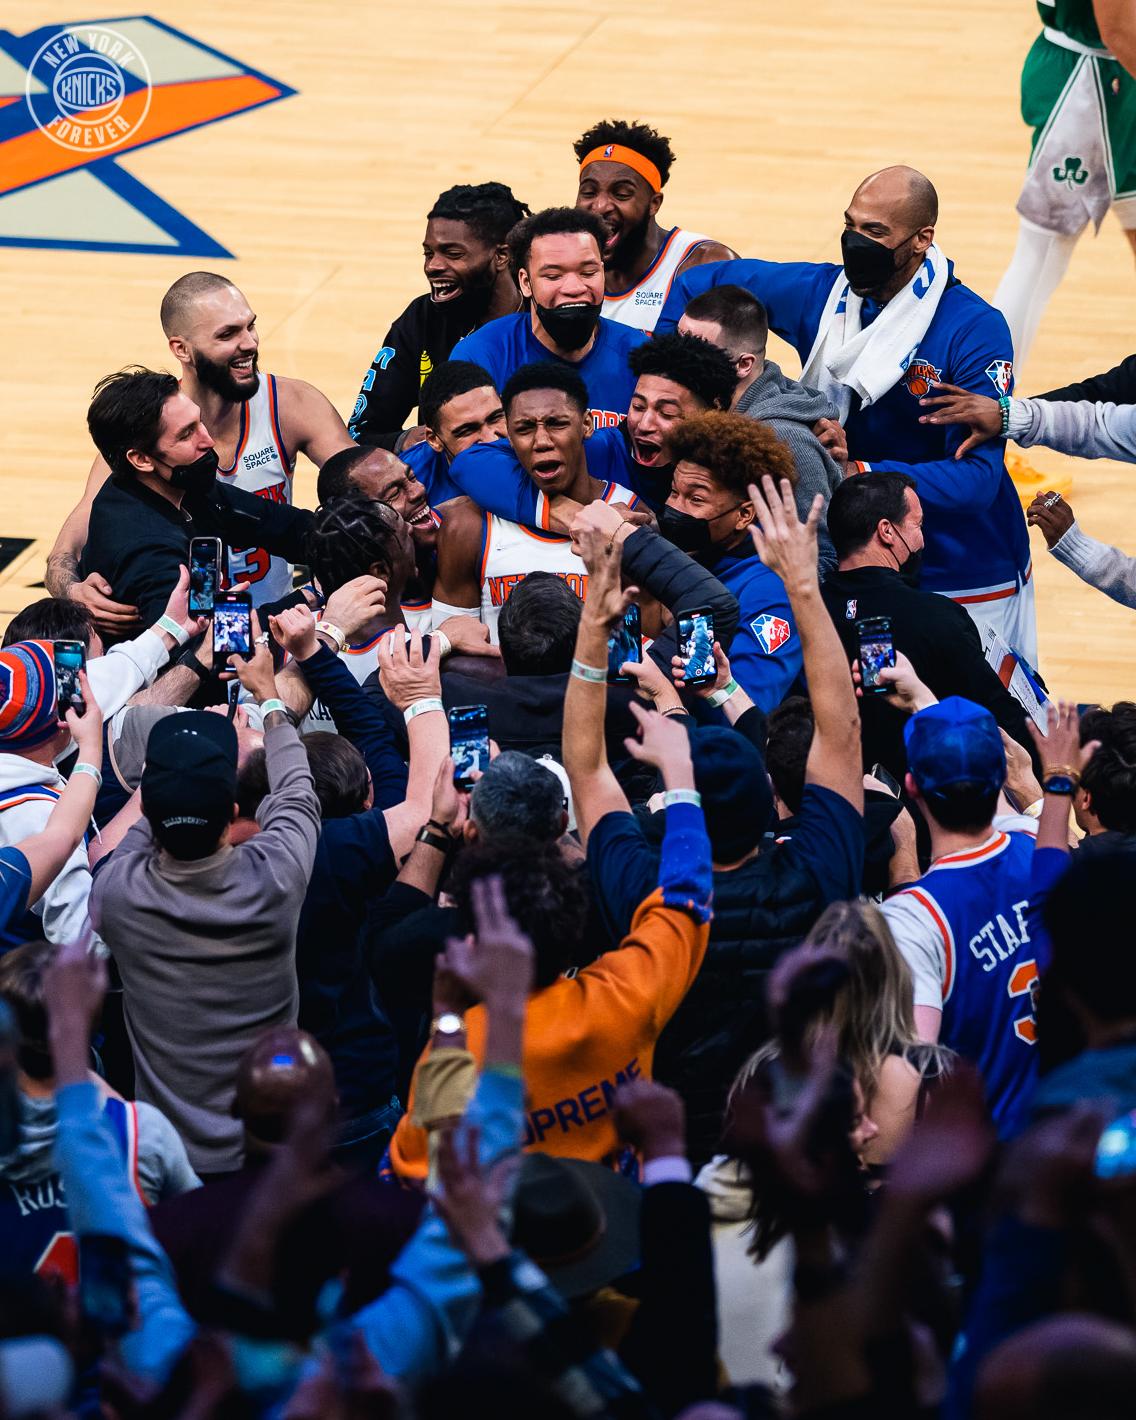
(422, 707)
(172, 628)
(92, 770)
(444, 646)
(682, 796)
(719, 697)
(271, 704)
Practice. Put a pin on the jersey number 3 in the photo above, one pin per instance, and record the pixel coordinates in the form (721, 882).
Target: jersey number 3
(1024, 981)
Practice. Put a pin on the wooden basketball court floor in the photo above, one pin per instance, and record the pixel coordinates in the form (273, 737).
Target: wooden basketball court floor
(775, 112)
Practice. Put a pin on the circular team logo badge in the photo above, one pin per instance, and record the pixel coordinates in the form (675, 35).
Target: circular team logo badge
(88, 88)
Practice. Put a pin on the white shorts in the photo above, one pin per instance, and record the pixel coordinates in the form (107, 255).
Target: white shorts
(1013, 615)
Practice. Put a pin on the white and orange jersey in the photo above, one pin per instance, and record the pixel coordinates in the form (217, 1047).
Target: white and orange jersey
(261, 465)
(639, 305)
(360, 659)
(509, 552)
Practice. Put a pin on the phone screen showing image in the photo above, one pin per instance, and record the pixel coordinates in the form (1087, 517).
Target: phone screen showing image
(624, 644)
(70, 658)
(204, 574)
(232, 629)
(696, 647)
(1116, 1149)
(877, 652)
(469, 742)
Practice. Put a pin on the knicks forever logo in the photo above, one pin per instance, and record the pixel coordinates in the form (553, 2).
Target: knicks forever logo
(920, 375)
(74, 99)
(771, 631)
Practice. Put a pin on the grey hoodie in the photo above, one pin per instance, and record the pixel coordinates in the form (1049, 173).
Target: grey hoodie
(791, 409)
(163, 1166)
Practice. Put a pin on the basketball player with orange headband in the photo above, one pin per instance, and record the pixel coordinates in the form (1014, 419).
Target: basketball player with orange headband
(623, 170)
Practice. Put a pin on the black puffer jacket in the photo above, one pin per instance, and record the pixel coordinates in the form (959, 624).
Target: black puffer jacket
(761, 909)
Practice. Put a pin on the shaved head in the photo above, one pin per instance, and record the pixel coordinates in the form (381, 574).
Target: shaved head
(180, 301)
(906, 192)
(283, 1068)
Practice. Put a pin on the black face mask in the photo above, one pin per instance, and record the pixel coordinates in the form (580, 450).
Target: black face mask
(912, 569)
(688, 533)
(571, 327)
(868, 264)
(196, 477)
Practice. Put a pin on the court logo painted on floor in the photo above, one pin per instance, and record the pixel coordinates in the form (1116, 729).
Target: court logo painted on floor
(76, 98)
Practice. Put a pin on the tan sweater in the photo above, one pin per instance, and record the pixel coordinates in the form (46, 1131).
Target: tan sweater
(206, 952)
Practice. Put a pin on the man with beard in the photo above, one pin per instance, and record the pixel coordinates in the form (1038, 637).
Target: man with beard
(467, 267)
(678, 376)
(255, 429)
(874, 335)
(623, 170)
(556, 259)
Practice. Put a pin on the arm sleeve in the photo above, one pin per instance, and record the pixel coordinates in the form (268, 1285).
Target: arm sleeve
(792, 292)
(1106, 568)
(765, 675)
(389, 390)
(418, 1325)
(678, 582)
(684, 870)
(499, 485)
(100, 1199)
(358, 719)
(241, 519)
(829, 840)
(1116, 386)
(623, 870)
(973, 482)
(124, 670)
(64, 906)
(921, 944)
(164, 1169)
(15, 880)
(1088, 431)
(673, 1341)
(289, 816)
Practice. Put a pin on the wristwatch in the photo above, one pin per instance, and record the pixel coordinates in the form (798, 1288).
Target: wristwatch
(442, 842)
(1060, 782)
(448, 1023)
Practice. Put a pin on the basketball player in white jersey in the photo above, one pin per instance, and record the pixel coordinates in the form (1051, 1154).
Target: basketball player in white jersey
(623, 170)
(258, 424)
(482, 557)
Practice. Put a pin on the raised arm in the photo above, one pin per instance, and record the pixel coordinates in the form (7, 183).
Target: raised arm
(457, 588)
(310, 422)
(595, 789)
(789, 547)
(62, 575)
(412, 683)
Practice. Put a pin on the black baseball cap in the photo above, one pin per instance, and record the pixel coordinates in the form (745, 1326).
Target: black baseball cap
(189, 782)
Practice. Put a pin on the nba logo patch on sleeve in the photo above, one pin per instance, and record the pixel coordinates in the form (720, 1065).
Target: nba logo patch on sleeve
(1000, 373)
(771, 631)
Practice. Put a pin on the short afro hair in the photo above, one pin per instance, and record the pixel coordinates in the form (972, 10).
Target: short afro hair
(735, 450)
(488, 209)
(703, 369)
(551, 222)
(334, 477)
(640, 138)
(446, 382)
(541, 375)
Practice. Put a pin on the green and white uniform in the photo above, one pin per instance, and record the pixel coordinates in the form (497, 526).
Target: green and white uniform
(1081, 104)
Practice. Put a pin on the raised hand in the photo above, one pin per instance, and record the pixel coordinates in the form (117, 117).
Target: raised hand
(785, 544)
(1060, 749)
(959, 406)
(662, 742)
(405, 674)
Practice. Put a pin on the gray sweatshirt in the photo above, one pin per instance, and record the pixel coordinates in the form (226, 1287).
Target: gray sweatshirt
(206, 951)
(791, 409)
(1106, 568)
(1079, 427)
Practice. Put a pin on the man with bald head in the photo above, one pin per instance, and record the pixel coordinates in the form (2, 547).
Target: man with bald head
(258, 423)
(875, 333)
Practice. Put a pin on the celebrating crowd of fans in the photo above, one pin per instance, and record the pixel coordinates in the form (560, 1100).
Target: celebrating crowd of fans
(576, 924)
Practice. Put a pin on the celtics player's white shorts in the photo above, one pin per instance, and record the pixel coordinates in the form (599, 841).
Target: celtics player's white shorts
(1081, 105)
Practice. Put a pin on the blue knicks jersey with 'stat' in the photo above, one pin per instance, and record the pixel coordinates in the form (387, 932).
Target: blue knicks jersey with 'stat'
(979, 901)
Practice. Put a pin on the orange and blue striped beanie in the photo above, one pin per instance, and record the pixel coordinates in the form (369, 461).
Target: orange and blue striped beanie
(28, 714)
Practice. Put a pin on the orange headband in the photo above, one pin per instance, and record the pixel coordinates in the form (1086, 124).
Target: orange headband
(616, 153)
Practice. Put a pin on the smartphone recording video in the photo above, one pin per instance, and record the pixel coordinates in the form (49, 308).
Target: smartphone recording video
(877, 652)
(70, 658)
(623, 645)
(696, 646)
(232, 628)
(469, 742)
(204, 574)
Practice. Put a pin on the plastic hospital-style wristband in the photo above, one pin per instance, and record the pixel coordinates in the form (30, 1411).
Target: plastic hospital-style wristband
(682, 796)
(1004, 406)
(271, 704)
(594, 674)
(333, 633)
(422, 707)
(172, 628)
(720, 697)
(92, 770)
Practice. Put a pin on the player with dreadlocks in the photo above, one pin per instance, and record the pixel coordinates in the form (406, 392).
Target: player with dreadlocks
(623, 170)
(467, 266)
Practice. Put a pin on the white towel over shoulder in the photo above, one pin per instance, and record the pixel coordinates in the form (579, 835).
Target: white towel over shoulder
(846, 359)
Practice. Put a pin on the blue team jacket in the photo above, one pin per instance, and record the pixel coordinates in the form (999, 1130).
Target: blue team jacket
(765, 655)
(492, 476)
(505, 344)
(976, 537)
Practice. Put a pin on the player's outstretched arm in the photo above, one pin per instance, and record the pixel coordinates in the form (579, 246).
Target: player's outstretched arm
(457, 587)
(310, 422)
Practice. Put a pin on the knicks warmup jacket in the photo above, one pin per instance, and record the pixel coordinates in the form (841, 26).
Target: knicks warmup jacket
(976, 538)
